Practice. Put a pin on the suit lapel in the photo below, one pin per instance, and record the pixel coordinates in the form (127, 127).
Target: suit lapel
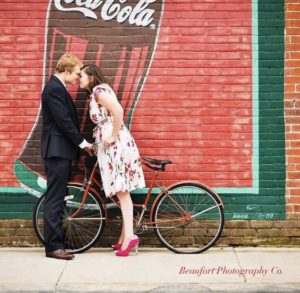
(69, 99)
(72, 105)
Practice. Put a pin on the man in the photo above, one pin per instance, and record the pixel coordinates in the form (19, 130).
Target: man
(60, 144)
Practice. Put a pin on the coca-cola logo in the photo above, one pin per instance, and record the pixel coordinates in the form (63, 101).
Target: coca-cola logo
(138, 14)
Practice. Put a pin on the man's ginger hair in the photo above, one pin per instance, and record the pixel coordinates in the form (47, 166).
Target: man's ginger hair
(67, 62)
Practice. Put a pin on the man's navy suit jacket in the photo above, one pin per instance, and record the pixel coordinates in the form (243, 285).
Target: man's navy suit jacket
(60, 129)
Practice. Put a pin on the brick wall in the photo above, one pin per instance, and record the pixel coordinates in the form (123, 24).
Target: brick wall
(235, 233)
(292, 104)
(22, 28)
(211, 103)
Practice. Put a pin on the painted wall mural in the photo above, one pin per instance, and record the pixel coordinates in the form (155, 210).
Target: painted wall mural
(121, 39)
(198, 83)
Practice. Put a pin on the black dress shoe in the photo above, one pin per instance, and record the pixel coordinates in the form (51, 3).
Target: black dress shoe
(60, 254)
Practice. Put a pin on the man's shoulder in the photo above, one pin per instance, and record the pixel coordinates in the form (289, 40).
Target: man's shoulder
(53, 86)
(53, 82)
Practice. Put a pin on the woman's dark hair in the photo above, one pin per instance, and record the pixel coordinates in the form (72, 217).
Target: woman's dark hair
(96, 73)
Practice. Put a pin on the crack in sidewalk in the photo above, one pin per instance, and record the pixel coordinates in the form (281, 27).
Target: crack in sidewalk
(240, 266)
(60, 276)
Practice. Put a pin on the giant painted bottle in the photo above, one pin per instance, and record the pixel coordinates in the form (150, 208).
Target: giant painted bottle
(118, 35)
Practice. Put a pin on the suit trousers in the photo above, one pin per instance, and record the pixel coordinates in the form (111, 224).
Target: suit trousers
(58, 172)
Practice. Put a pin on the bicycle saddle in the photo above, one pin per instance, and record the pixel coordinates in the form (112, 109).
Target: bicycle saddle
(161, 163)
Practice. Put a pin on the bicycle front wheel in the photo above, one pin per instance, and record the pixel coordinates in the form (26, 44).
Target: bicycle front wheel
(189, 218)
(81, 231)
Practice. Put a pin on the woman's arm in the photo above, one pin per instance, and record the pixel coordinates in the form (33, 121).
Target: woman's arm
(113, 106)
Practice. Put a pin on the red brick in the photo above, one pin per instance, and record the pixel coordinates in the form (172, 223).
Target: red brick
(291, 79)
(292, 72)
(295, 143)
(292, 15)
(293, 111)
(295, 23)
(296, 208)
(294, 159)
(292, 7)
(297, 166)
(292, 120)
(293, 183)
(289, 88)
(290, 167)
(295, 197)
(292, 62)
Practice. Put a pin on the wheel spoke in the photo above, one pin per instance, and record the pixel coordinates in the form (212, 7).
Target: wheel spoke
(203, 215)
(81, 231)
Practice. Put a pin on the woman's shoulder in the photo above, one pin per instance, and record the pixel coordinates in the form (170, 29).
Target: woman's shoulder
(102, 88)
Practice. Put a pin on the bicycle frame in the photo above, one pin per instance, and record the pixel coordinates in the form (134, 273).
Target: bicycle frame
(87, 186)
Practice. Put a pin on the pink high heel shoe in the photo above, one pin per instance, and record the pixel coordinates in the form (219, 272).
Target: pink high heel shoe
(116, 246)
(134, 243)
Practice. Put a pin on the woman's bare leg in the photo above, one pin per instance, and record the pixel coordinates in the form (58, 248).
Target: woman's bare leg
(127, 214)
(122, 235)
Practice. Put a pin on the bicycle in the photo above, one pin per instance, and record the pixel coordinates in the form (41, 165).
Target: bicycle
(187, 217)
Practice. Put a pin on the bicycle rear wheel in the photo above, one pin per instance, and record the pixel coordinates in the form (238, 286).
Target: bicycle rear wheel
(81, 231)
(189, 218)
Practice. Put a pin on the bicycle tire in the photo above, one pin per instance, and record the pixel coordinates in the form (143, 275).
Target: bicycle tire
(75, 229)
(191, 236)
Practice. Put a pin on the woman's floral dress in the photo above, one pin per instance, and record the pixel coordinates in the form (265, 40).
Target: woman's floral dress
(119, 164)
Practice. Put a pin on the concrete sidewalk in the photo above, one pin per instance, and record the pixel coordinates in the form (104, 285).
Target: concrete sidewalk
(152, 270)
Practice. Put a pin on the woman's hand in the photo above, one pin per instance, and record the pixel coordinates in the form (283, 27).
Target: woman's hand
(109, 141)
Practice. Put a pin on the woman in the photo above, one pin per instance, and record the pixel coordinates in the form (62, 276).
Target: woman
(118, 156)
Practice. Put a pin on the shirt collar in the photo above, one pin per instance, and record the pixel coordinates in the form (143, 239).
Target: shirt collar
(60, 80)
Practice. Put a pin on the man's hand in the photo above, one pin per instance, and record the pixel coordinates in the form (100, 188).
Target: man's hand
(89, 149)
